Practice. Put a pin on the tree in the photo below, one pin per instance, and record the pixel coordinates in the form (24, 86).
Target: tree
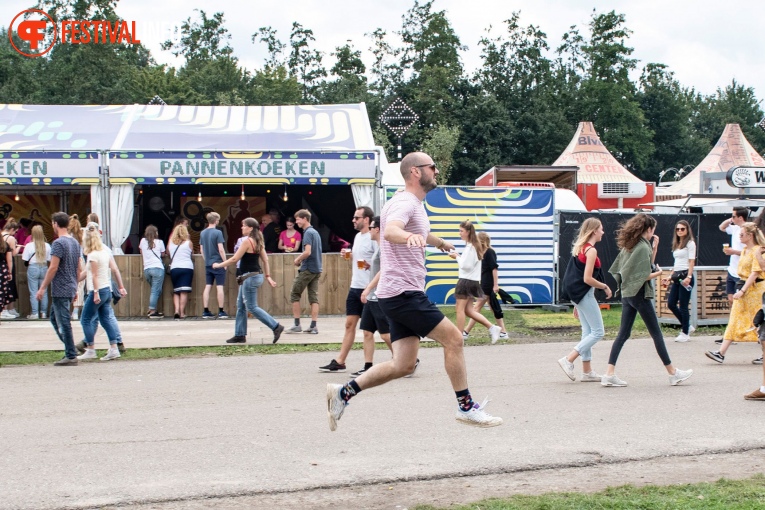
(305, 63)
(267, 35)
(735, 103)
(440, 144)
(201, 41)
(668, 112)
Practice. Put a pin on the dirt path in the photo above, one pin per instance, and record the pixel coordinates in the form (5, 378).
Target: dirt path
(461, 490)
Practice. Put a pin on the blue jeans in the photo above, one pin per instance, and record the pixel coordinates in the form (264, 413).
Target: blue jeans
(93, 312)
(592, 324)
(35, 277)
(247, 301)
(61, 318)
(677, 302)
(156, 277)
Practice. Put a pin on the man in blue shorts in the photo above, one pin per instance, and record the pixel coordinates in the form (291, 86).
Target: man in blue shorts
(401, 293)
(211, 243)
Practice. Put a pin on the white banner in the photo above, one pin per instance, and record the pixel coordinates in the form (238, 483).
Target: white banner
(27, 167)
(746, 177)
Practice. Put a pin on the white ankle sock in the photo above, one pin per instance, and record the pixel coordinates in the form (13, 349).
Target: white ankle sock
(762, 389)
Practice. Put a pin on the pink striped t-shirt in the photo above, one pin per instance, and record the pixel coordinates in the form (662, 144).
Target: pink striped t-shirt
(402, 268)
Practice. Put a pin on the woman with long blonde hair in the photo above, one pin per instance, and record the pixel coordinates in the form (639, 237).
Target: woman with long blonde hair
(634, 274)
(98, 301)
(581, 291)
(36, 256)
(748, 297)
(469, 282)
(180, 250)
(252, 253)
(489, 286)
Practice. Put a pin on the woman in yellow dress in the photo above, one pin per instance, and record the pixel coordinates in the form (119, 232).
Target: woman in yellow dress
(748, 298)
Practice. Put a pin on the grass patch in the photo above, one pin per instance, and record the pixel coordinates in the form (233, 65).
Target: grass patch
(527, 325)
(723, 494)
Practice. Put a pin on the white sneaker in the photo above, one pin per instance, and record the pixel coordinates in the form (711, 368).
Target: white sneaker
(32, 317)
(14, 312)
(465, 335)
(679, 376)
(335, 405)
(5, 314)
(503, 335)
(478, 417)
(612, 381)
(591, 377)
(112, 353)
(75, 315)
(682, 337)
(416, 364)
(691, 329)
(567, 367)
(494, 332)
(43, 316)
(88, 354)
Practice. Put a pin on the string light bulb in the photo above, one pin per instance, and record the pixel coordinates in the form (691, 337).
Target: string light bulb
(199, 197)
(285, 198)
(17, 197)
(243, 198)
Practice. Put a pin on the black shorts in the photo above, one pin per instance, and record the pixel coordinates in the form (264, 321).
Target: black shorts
(410, 313)
(353, 304)
(373, 319)
(467, 289)
(730, 284)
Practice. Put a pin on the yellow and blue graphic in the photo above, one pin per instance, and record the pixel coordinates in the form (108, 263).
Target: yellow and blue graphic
(520, 224)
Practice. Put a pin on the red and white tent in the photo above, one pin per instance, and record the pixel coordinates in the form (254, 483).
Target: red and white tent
(595, 163)
(731, 150)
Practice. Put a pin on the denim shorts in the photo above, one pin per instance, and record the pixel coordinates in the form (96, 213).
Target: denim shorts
(215, 275)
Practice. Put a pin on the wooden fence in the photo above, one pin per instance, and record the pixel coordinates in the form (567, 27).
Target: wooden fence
(711, 300)
(333, 288)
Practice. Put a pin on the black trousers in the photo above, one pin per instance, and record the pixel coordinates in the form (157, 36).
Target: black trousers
(632, 306)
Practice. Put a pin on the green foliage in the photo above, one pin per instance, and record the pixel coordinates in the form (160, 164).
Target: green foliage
(723, 494)
(520, 106)
(440, 144)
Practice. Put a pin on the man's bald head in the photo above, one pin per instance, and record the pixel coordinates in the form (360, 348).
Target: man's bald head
(413, 159)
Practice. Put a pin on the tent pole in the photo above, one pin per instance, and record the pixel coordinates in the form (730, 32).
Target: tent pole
(105, 200)
(376, 206)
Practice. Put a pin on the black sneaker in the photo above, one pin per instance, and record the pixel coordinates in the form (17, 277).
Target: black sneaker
(121, 347)
(278, 332)
(236, 340)
(333, 367)
(80, 346)
(757, 361)
(358, 373)
(176, 317)
(715, 356)
(155, 315)
(719, 341)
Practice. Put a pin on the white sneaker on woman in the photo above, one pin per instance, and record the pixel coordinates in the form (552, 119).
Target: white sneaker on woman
(113, 353)
(682, 337)
(494, 332)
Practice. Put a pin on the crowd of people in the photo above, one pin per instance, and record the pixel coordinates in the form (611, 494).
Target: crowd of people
(635, 271)
(387, 289)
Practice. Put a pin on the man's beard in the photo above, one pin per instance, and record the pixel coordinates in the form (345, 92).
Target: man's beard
(428, 185)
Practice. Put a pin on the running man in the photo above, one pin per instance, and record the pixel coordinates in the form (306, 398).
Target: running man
(401, 293)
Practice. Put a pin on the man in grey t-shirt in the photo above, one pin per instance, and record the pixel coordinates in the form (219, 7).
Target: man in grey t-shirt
(63, 274)
(211, 245)
(309, 273)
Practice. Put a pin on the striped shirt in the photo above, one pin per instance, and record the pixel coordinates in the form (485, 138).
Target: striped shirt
(403, 268)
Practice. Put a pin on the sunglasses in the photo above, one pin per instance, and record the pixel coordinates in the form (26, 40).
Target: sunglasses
(358, 217)
(680, 229)
(432, 166)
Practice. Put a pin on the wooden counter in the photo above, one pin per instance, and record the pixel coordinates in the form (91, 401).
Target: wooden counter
(333, 288)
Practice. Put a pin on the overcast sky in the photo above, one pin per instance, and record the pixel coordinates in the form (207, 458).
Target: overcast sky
(706, 43)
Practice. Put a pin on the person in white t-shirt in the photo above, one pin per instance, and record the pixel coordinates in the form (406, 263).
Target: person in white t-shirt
(469, 281)
(37, 255)
(152, 248)
(98, 287)
(732, 226)
(362, 252)
(681, 281)
(405, 234)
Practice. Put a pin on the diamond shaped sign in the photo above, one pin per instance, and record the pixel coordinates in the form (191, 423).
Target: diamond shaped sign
(398, 117)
